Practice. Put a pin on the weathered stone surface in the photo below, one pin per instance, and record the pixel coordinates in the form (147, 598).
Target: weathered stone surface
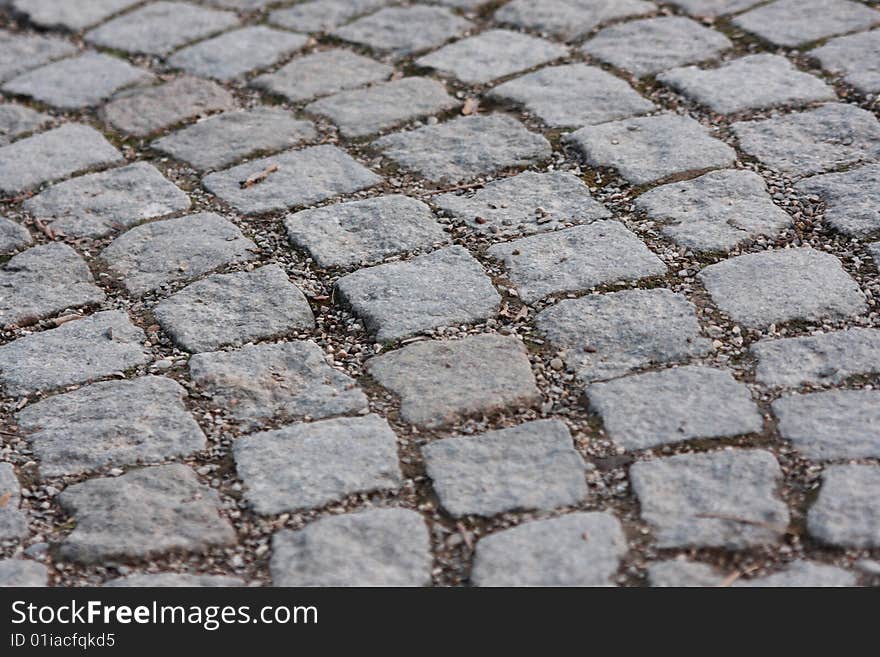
(569, 19)
(440, 382)
(648, 149)
(529, 202)
(465, 147)
(13, 236)
(578, 549)
(751, 82)
(23, 573)
(717, 211)
(77, 82)
(361, 112)
(144, 112)
(491, 55)
(21, 52)
(674, 405)
(310, 465)
(830, 358)
(837, 424)
(794, 22)
(652, 45)
(51, 155)
(232, 309)
(367, 231)
(399, 299)
(97, 204)
(221, 140)
(725, 499)
(759, 289)
(301, 178)
(16, 120)
(533, 466)
(713, 8)
(289, 380)
(72, 16)
(13, 522)
(679, 573)
(155, 254)
(574, 95)
(323, 15)
(143, 513)
(874, 249)
(43, 281)
(576, 259)
(856, 57)
(404, 31)
(830, 136)
(852, 199)
(377, 547)
(847, 513)
(322, 73)
(609, 335)
(175, 580)
(159, 27)
(75, 352)
(235, 53)
(117, 423)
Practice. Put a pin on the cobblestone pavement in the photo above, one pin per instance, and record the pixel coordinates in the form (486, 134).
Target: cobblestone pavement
(364, 292)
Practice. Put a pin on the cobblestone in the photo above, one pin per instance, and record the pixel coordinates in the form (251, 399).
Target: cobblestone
(13, 522)
(847, 512)
(568, 19)
(323, 15)
(855, 57)
(792, 22)
(17, 120)
(23, 572)
(51, 13)
(808, 574)
(21, 52)
(13, 236)
(852, 199)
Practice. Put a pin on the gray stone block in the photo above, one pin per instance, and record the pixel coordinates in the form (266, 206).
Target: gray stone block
(569, 19)
(13, 521)
(68, 15)
(856, 57)
(13, 236)
(323, 15)
(22, 52)
(793, 23)
(852, 199)
(847, 512)
(23, 573)
(17, 120)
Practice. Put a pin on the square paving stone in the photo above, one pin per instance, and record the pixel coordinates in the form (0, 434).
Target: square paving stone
(117, 423)
(43, 281)
(569, 19)
(673, 406)
(224, 139)
(609, 335)
(847, 513)
(529, 202)
(574, 95)
(99, 203)
(852, 199)
(578, 549)
(322, 73)
(814, 141)
(77, 82)
(856, 57)
(361, 112)
(576, 259)
(13, 521)
(796, 22)
(749, 83)
(17, 120)
(232, 309)
(23, 573)
(491, 55)
(404, 31)
(289, 380)
(311, 465)
(651, 148)
(759, 289)
(143, 513)
(294, 178)
(376, 547)
(716, 212)
(442, 382)
(364, 232)
(830, 358)
(465, 148)
(160, 27)
(533, 466)
(678, 573)
(400, 299)
(13, 236)
(651, 45)
(323, 15)
(51, 155)
(235, 53)
(174, 580)
(21, 52)
(73, 16)
(837, 424)
(144, 112)
(726, 499)
(75, 352)
(155, 254)
(713, 8)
